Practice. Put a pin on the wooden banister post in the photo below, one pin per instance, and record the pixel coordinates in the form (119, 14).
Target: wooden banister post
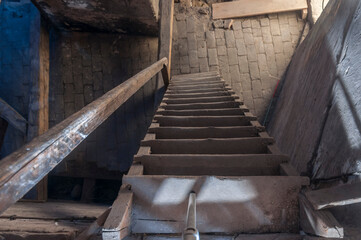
(166, 33)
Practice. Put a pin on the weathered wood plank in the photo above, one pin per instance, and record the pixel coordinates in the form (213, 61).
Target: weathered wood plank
(12, 116)
(95, 228)
(320, 223)
(136, 169)
(335, 196)
(246, 8)
(117, 225)
(287, 169)
(20, 171)
(166, 8)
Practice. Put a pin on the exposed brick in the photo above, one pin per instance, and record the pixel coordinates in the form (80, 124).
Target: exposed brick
(246, 23)
(211, 40)
(230, 40)
(222, 50)
(275, 28)
(232, 56)
(241, 47)
(220, 42)
(264, 22)
(243, 64)
(254, 70)
(251, 53)
(192, 41)
(212, 55)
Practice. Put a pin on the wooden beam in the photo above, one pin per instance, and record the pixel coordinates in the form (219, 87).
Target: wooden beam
(12, 116)
(95, 228)
(117, 225)
(320, 223)
(287, 169)
(335, 196)
(3, 127)
(246, 8)
(165, 35)
(20, 171)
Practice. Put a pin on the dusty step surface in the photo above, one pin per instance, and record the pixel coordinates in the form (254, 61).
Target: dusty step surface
(195, 95)
(254, 145)
(196, 86)
(199, 99)
(204, 132)
(202, 112)
(218, 165)
(196, 82)
(203, 121)
(256, 204)
(214, 105)
(201, 90)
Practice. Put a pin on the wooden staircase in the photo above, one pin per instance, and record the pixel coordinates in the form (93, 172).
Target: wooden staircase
(203, 139)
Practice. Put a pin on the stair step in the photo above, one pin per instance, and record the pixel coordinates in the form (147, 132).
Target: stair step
(217, 165)
(195, 95)
(257, 204)
(214, 105)
(195, 82)
(202, 112)
(273, 236)
(204, 132)
(255, 145)
(199, 99)
(195, 86)
(195, 76)
(203, 121)
(201, 90)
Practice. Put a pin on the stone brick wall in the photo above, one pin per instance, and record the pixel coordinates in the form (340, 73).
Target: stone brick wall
(16, 21)
(251, 56)
(84, 66)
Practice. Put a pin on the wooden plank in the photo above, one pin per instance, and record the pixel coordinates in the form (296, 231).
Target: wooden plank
(54, 210)
(320, 223)
(160, 207)
(287, 169)
(3, 127)
(136, 169)
(335, 196)
(95, 228)
(87, 193)
(246, 8)
(166, 10)
(117, 225)
(12, 116)
(21, 170)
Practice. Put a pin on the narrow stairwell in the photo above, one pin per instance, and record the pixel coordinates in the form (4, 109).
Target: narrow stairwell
(203, 139)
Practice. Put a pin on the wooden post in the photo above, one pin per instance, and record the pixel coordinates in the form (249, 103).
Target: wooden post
(166, 32)
(39, 99)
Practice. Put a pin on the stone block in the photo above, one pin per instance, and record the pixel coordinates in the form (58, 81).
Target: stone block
(58, 104)
(258, 42)
(282, 18)
(246, 82)
(246, 23)
(278, 44)
(107, 82)
(98, 81)
(214, 68)
(234, 72)
(257, 32)
(262, 62)
(255, 23)
(78, 101)
(248, 38)
(87, 75)
(223, 63)
(218, 24)
(191, 24)
(281, 62)
(222, 50)
(241, 47)
(275, 27)
(254, 70)
(237, 25)
(288, 49)
(220, 42)
(78, 83)
(230, 40)
(251, 53)
(69, 109)
(194, 69)
(266, 34)
(257, 89)
(96, 63)
(191, 41)
(182, 29)
(185, 69)
(285, 33)
(243, 64)
(211, 40)
(238, 34)
(232, 56)
(184, 60)
(68, 93)
(200, 30)
(193, 58)
(88, 94)
(183, 47)
(219, 33)
(203, 65)
(264, 22)
(66, 75)
(212, 55)
(86, 59)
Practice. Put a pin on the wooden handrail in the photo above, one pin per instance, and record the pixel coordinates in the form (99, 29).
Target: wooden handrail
(23, 169)
(12, 116)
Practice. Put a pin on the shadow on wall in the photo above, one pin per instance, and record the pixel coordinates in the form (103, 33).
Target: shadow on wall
(317, 117)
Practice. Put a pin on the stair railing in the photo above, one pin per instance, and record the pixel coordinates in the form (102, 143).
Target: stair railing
(191, 232)
(23, 169)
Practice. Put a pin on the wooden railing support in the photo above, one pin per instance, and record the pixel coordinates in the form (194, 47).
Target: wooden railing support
(12, 116)
(23, 169)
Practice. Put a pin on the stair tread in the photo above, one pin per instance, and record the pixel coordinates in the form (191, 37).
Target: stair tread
(193, 95)
(214, 105)
(199, 99)
(240, 204)
(201, 90)
(202, 112)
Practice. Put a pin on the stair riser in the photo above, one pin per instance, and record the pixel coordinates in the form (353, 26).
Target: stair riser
(201, 90)
(196, 87)
(175, 84)
(209, 146)
(199, 100)
(199, 133)
(221, 165)
(204, 121)
(202, 106)
(214, 94)
(205, 112)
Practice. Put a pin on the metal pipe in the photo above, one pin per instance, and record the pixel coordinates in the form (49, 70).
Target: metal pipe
(191, 232)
